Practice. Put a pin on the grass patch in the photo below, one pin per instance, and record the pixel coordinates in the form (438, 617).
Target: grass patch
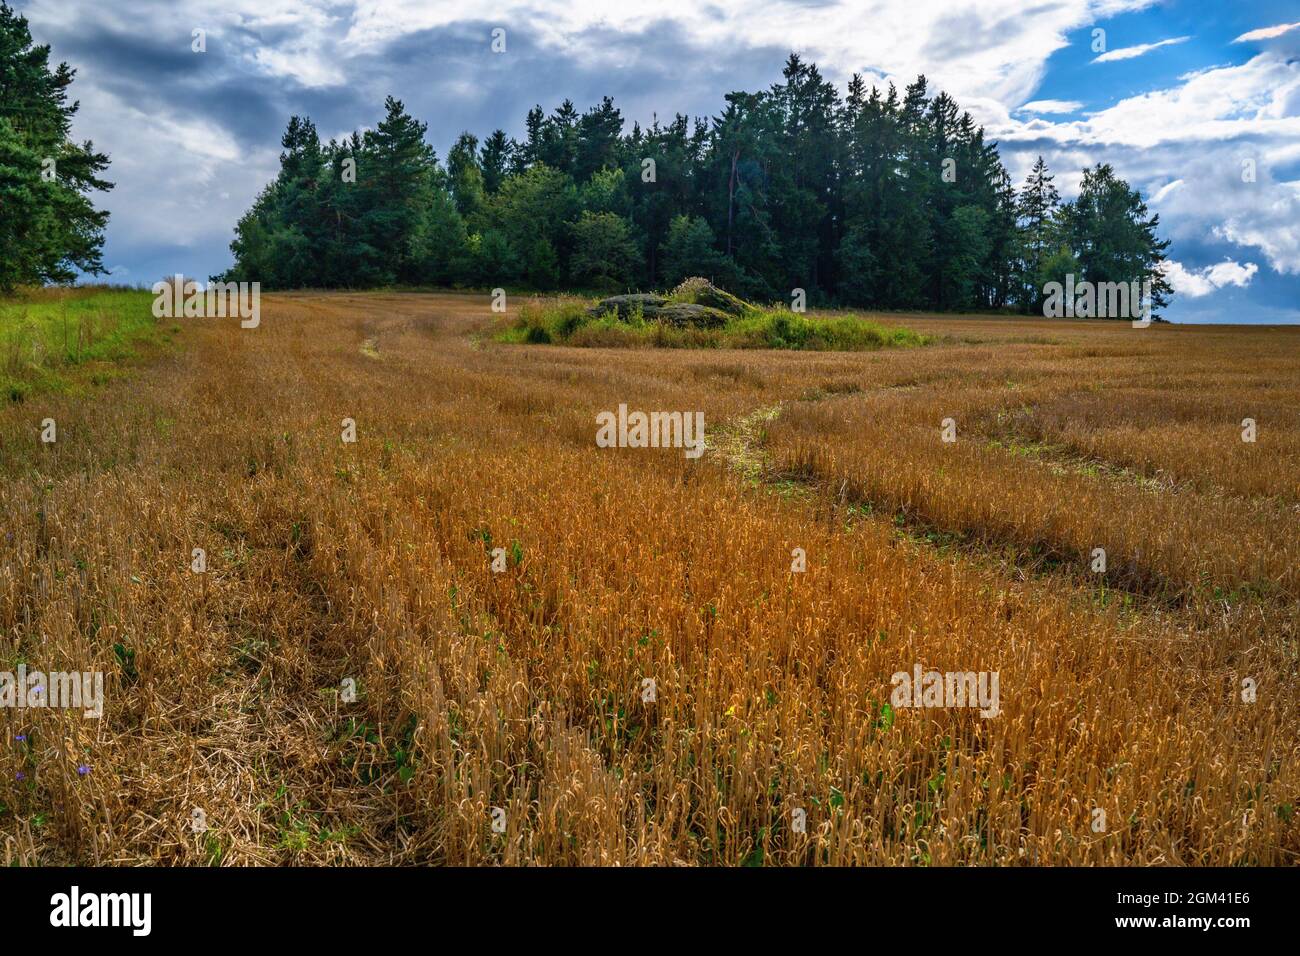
(57, 340)
(569, 322)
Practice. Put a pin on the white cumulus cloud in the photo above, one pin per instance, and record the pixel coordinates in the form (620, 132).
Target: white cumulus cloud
(1051, 106)
(1129, 52)
(1266, 33)
(1195, 283)
(1160, 194)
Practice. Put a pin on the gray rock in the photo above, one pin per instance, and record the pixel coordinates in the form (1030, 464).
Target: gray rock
(624, 305)
(703, 292)
(687, 315)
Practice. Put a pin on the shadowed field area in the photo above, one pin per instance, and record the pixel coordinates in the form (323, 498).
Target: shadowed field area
(371, 562)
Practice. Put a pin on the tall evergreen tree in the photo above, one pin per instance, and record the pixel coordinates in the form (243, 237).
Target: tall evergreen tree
(466, 176)
(394, 183)
(49, 228)
(1112, 235)
(1037, 211)
(495, 159)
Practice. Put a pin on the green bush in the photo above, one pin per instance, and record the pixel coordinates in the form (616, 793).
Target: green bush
(570, 322)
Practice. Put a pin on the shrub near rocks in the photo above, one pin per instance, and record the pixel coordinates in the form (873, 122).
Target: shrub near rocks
(695, 303)
(696, 314)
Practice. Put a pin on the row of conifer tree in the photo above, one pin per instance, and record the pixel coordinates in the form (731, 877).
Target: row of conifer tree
(873, 198)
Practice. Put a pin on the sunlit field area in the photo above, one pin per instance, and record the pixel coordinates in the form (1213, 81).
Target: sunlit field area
(475, 636)
(61, 338)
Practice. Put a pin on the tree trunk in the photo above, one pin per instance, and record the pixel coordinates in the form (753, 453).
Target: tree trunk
(731, 197)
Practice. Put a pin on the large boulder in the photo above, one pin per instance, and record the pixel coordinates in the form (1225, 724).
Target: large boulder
(695, 303)
(701, 291)
(689, 315)
(625, 305)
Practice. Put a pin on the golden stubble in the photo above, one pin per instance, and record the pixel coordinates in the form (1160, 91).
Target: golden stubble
(523, 690)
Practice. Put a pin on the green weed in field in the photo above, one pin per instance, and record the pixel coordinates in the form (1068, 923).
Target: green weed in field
(47, 335)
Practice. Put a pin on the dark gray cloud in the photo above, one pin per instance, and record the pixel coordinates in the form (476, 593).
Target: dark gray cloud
(660, 70)
(157, 105)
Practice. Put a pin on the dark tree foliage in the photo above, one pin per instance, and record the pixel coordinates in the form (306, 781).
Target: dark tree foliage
(877, 198)
(49, 229)
(494, 160)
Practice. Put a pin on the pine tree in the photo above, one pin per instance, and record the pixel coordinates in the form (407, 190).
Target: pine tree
(1112, 235)
(529, 152)
(603, 250)
(466, 177)
(495, 160)
(49, 229)
(599, 140)
(394, 183)
(1037, 211)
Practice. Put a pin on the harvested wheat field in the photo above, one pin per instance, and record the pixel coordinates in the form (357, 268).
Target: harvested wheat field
(643, 679)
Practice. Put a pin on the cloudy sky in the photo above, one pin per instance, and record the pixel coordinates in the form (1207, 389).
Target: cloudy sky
(1183, 97)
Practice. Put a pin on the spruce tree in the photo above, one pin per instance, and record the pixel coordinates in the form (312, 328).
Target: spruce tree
(1037, 211)
(49, 228)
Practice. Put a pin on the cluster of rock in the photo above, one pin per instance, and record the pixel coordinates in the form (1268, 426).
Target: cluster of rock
(695, 303)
